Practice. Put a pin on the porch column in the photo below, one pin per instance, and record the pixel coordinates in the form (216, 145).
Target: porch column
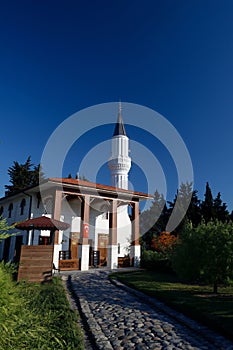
(135, 249)
(56, 216)
(84, 232)
(113, 248)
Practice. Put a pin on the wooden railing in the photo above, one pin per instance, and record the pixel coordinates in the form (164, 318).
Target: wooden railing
(65, 261)
(64, 255)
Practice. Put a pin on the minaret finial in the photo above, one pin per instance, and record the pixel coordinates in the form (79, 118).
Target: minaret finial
(119, 108)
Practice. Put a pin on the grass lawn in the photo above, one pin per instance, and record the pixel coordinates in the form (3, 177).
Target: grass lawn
(196, 301)
(36, 316)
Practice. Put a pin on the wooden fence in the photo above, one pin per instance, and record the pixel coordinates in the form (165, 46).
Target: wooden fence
(36, 263)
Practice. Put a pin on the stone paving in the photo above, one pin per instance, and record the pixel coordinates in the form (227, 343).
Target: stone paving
(120, 318)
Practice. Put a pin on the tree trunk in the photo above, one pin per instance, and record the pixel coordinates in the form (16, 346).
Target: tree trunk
(215, 288)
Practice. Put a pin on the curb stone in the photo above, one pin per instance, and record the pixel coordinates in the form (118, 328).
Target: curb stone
(75, 305)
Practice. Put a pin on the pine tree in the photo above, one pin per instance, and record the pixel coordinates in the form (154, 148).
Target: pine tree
(23, 176)
(213, 209)
(207, 206)
(220, 209)
(185, 207)
(153, 220)
(194, 211)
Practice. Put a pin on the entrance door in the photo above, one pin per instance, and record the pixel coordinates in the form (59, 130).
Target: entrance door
(44, 240)
(90, 242)
(103, 248)
(75, 236)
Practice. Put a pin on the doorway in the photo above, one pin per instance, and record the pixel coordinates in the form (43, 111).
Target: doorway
(103, 248)
(6, 249)
(17, 252)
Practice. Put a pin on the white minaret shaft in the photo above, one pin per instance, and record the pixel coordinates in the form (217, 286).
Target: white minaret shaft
(120, 162)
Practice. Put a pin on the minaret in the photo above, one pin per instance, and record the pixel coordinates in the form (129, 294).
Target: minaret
(120, 162)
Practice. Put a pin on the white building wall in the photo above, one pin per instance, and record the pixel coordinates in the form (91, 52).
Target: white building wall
(15, 217)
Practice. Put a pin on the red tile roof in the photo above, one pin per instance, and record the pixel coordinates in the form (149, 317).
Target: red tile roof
(94, 185)
(42, 223)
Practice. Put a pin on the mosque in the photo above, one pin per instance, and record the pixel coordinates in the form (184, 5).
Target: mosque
(103, 220)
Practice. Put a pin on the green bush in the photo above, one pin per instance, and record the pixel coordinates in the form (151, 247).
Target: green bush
(155, 261)
(187, 255)
(205, 252)
(35, 316)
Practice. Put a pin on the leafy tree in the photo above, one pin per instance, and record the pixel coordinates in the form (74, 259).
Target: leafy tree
(164, 242)
(205, 252)
(218, 256)
(186, 256)
(23, 176)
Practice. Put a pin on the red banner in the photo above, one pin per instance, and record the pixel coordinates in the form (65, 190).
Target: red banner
(85, 230)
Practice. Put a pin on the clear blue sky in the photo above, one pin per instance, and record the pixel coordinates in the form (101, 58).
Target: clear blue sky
(176, 57)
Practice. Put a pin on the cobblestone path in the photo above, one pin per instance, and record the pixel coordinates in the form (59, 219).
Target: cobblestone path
(120, 320)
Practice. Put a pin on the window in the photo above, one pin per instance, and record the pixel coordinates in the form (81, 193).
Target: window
(22, 205)
(38, 196)
(119, 248)
(48, 206)
(1, 211)
(10, 208)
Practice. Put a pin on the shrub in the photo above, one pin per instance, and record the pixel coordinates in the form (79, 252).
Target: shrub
(187, 255)
(205, 252)
(155, 261)
(35, 316)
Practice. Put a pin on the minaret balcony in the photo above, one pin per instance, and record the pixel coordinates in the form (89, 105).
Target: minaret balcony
(120, 163)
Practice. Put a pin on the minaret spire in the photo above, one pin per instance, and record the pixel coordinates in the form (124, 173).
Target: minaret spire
(120, 162)
(119, 128)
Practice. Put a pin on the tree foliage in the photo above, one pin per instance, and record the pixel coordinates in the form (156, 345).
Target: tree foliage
(185, 205)
(5, 229)
(23, 176)
(164, 242)
(205, 252)
(153, 221)
(189, 206)
(207, 205)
